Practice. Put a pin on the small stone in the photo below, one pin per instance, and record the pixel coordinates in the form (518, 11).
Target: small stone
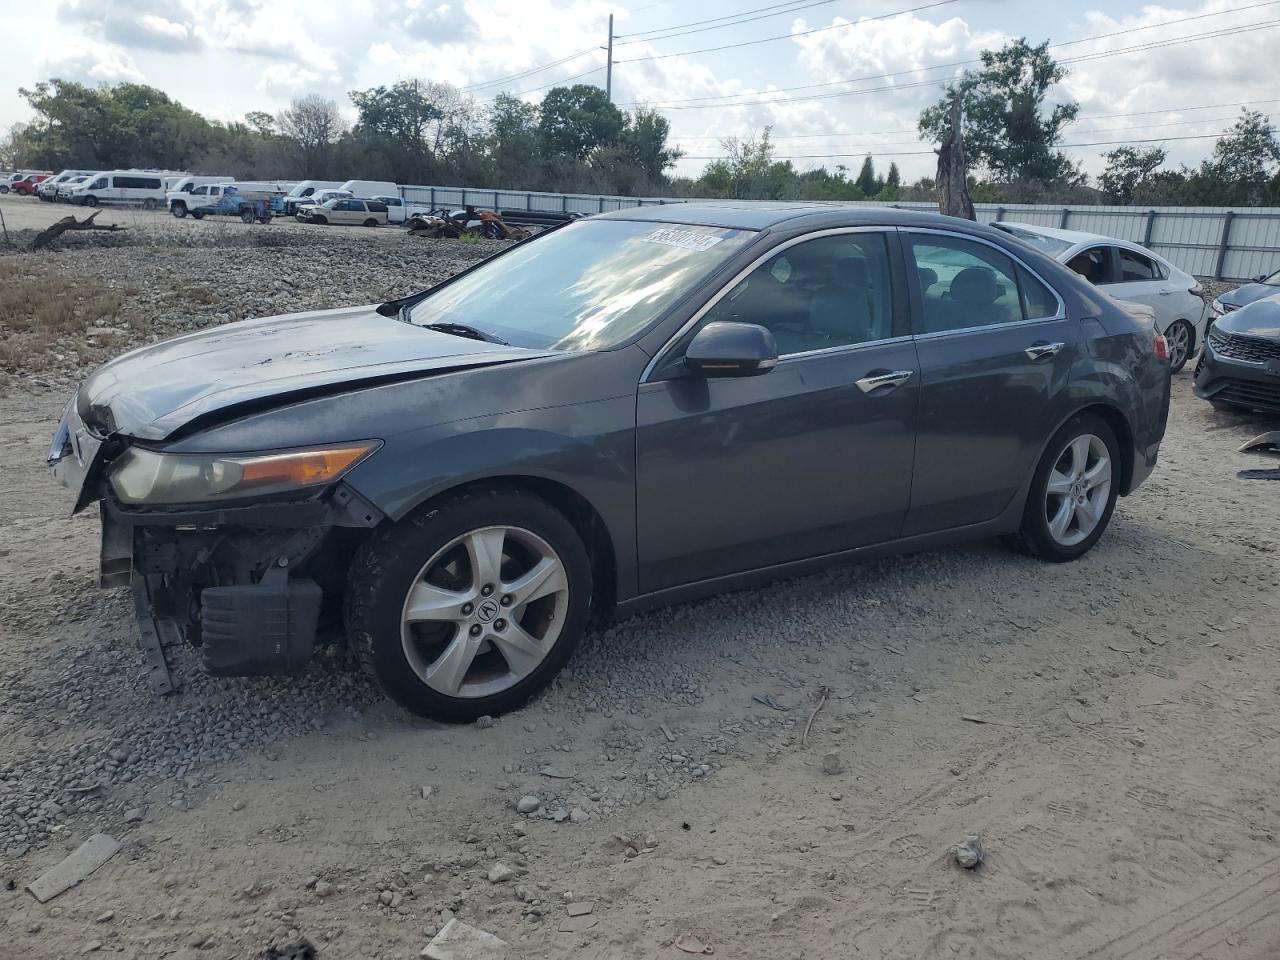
(580, 908)
(485, 722)
(557, 773)
(133, 815)
(106, 917)
(501, 872)
(323, 888)
(385, 898)
(832, 765)
(837, 795)
(528, 804)
(238, 806)
(427, 791)
(577, 924)
(93, 946)
(578, 815)
(719, 861)
(560, 815)
(969, 853)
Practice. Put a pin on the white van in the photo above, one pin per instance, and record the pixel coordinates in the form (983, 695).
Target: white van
(185, 184)
(145, 188)
(303, 193)
(48, 189)
(371, 188)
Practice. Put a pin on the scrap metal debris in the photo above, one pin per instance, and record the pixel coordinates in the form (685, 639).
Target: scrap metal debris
(75, 868)
(451, 225)
(968, 853)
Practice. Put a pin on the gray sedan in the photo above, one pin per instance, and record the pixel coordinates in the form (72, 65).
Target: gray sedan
(630, 410)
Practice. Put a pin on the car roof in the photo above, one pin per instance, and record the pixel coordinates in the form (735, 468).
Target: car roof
(1078, 238)
(763, 214)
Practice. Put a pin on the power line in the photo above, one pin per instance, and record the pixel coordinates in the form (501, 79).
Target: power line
(532, 70)
(1151, 45)
(962, 63)
(801, 33)
(794, 6)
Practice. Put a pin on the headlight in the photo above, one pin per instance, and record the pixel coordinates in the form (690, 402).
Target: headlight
(146, 477)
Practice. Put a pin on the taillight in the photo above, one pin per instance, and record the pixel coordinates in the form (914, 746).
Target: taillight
(1160, 347)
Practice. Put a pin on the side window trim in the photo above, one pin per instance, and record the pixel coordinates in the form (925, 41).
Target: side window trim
(894, 253)
(917, 307)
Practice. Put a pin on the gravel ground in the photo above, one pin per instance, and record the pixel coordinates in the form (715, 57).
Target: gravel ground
(1108, 727)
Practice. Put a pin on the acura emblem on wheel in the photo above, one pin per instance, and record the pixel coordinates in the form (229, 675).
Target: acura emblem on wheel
(487, 610)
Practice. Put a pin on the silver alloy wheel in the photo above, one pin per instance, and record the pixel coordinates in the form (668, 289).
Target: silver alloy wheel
(1179, 337)
(484, 611)
(1078, 489)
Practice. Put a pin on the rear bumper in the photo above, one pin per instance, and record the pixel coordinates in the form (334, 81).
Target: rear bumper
(1243, 383)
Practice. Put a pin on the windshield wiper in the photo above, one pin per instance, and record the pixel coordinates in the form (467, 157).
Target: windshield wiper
(462, 330)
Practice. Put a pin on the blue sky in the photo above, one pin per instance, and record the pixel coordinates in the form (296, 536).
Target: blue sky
(226, 57)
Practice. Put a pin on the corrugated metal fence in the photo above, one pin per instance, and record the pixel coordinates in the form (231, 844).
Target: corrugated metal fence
(1226, 243)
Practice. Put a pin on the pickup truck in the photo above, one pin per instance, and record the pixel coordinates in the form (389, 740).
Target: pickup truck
(227, 199)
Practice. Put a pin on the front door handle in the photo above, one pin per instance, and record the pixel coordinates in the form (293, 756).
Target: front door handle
(874, 381)
(1042, 351)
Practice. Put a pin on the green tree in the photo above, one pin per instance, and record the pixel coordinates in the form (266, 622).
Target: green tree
(512, 139)
(1008, 130)
(261, 123)
(576, 120)
(1128, 169)
(644, 143)
(1248, 153)
(867, 181)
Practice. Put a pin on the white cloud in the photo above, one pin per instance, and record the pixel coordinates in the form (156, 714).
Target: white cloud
(165, 25)
(88, 61)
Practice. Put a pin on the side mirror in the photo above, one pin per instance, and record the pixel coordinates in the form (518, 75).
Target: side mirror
(725, 349)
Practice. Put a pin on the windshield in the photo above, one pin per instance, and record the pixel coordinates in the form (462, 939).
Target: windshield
(1050, 245)
(587, 286)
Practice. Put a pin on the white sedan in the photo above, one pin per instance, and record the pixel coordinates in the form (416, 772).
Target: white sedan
(1127, 271)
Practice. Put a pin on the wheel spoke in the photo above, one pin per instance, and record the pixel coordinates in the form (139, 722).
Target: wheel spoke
(1059, 484)
(1087, 515)
(519, 648)
(1079, 455)
(1062, 519)
(429, 602)
(544, 578)
(1098, 474)
(450, 668)
(484, 548)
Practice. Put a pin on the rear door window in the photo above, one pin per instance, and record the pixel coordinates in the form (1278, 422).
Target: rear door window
(1134, 267)
(964, 284)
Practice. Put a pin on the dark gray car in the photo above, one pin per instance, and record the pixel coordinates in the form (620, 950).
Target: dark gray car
(628, 411)
(1259, 288)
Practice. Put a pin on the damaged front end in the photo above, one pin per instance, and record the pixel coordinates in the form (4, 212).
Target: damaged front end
(243, 556)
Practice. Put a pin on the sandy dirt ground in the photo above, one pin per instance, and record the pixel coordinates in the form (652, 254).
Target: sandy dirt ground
(1108, 726)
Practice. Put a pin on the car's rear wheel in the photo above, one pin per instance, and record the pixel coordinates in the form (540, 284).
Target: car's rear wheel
(371, 222)
(1182, 342)
(471, 606)
(1073, 492)
(198, 214)
(148, 204)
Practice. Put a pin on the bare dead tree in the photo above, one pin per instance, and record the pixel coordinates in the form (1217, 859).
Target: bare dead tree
(312, 123)
(952, 180)
(58, 228)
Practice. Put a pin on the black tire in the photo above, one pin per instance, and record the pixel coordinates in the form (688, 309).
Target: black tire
(1176, 365)
(91, 201)
(264, 219)
(246, 215)
(178, 209)
(198, 214)
(388, 564)
(1033, 537)
(371, 222)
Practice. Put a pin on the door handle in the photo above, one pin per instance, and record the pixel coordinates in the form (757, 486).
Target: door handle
(874, 381)
(1042, 350)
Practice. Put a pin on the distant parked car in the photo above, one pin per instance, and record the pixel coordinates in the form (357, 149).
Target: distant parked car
(27, 183)
(1240, 367)
(1128, 271)
(348, 210)
(1264, 285)
(49, 190)
(305, 192)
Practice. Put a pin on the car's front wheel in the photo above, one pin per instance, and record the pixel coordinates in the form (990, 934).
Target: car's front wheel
(472, 605)
(1182, 342)
(1073, 492)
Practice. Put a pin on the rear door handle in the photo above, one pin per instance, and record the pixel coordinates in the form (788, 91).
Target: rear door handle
(1042, 350)
(893, 378)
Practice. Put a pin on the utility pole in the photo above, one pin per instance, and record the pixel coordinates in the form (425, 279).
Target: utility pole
(608, 65)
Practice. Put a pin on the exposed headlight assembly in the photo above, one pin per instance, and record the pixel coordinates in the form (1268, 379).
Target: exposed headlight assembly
(143, 476)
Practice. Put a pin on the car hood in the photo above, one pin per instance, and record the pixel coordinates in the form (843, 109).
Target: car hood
(1248, 293)
(1261, 318)
(176, 386)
